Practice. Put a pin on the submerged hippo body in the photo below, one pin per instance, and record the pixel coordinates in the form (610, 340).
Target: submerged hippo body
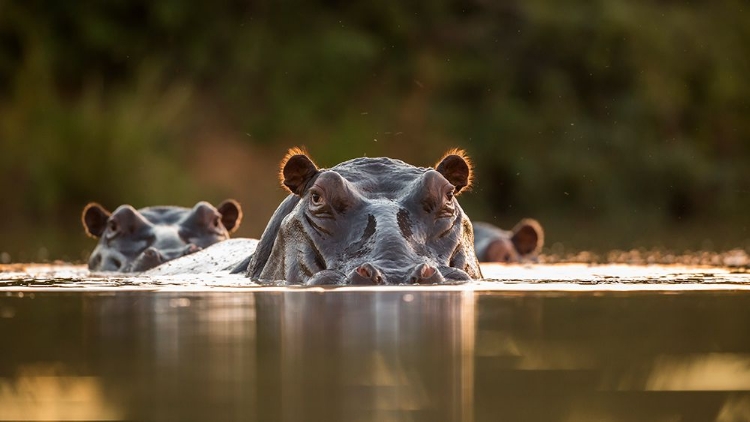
(136, 240)
(368, 221)
(493, 244)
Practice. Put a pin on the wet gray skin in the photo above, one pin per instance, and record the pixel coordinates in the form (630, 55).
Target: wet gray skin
(493, 244)
(368, 221)
(133, 240)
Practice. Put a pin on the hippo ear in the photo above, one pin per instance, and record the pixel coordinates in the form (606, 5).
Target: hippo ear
(94, 219)
(456, 167)
(231, 214)
(528, 236)
(296, 170)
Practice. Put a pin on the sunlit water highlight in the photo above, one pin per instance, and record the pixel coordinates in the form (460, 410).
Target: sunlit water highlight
(498, 277)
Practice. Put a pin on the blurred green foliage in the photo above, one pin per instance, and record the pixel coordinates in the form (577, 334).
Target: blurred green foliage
(616, 123)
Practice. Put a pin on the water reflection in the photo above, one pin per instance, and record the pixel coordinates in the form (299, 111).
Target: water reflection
(47, 392)
(706, 372)
(375, 356)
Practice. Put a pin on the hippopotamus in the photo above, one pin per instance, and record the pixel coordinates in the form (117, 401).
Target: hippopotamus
(368, 221)
(493, 244)
(133, 240)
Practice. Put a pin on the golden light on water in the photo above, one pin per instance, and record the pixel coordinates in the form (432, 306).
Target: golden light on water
(707, 372)
(46, 393)
(735, 409)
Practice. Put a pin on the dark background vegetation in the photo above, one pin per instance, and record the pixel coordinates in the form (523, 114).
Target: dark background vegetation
(617, 123)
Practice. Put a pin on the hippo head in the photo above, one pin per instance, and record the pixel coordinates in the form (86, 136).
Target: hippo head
(496, 245)
(368, 221)
(137, 240)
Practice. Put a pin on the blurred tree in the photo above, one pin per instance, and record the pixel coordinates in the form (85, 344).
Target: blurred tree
(616, 123)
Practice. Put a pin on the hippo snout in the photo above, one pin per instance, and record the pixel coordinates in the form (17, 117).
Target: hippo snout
(151, 257)
(148, 259)
(153, 254)
(106, 262)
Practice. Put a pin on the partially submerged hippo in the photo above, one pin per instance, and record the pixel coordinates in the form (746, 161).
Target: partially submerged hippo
(493, 244)
(136, 240)
(368, 221)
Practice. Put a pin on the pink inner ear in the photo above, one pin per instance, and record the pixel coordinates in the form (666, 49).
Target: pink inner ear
(528, 236)
(94, 219)
(296, 171)
(526, 240)
(456, 167)
(231, 214)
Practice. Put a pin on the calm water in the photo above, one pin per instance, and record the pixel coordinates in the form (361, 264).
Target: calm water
(403, 355)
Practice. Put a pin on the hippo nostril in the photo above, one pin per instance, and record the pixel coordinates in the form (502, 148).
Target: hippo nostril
(151, 253)
(366, 270)
(363, 272)
(366, 274)
(427, 271)
(425, 274)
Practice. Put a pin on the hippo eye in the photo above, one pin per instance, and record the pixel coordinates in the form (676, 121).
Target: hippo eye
(448, 207)
(113, 230)
(216, 221)
(316, 198)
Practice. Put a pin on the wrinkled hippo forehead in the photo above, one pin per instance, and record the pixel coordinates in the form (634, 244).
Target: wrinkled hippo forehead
(380, 177)
(165, 215)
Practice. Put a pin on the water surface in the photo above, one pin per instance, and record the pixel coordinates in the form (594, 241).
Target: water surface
(212, 350)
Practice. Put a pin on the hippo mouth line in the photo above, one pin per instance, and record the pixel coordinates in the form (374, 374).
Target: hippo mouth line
(368, 274)
(152, 257)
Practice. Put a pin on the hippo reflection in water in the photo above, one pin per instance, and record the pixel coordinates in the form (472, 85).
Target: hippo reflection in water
(137, 240)
(493, 244)
(368, 221)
